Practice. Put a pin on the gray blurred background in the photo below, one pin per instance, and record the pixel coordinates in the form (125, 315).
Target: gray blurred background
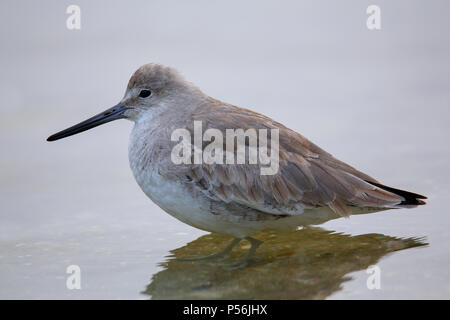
(378, 100)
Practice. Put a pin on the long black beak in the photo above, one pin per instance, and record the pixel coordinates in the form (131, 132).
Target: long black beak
(111, 114)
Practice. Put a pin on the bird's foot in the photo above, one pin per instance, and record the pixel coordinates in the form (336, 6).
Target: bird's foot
(255, 243)
(242, 263)
(219, 255)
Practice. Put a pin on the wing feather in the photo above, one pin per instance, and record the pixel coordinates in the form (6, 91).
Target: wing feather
(307, 177)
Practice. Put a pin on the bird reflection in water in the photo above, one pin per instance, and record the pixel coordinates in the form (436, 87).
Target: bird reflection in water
(311, 263)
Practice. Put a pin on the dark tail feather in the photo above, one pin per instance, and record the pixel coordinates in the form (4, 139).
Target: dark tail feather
(411, 199)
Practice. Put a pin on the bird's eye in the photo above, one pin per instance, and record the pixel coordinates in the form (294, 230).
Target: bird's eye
(145, 93)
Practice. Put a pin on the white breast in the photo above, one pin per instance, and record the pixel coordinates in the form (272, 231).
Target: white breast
(171, 196)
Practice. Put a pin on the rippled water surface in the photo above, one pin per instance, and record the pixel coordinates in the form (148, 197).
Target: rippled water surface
(378, 100)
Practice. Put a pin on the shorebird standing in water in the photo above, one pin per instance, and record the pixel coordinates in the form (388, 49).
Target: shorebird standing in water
(310, 186)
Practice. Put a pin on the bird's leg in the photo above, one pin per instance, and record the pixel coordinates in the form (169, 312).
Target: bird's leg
(222, 254)
(255, 243)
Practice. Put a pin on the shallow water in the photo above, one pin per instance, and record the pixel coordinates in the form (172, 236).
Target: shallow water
(378, 100)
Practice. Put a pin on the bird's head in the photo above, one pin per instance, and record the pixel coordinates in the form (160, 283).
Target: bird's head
(152, 88)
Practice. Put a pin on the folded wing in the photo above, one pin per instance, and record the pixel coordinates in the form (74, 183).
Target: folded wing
(308, 176)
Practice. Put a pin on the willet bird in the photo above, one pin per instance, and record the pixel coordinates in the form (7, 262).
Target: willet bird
(308, 185)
